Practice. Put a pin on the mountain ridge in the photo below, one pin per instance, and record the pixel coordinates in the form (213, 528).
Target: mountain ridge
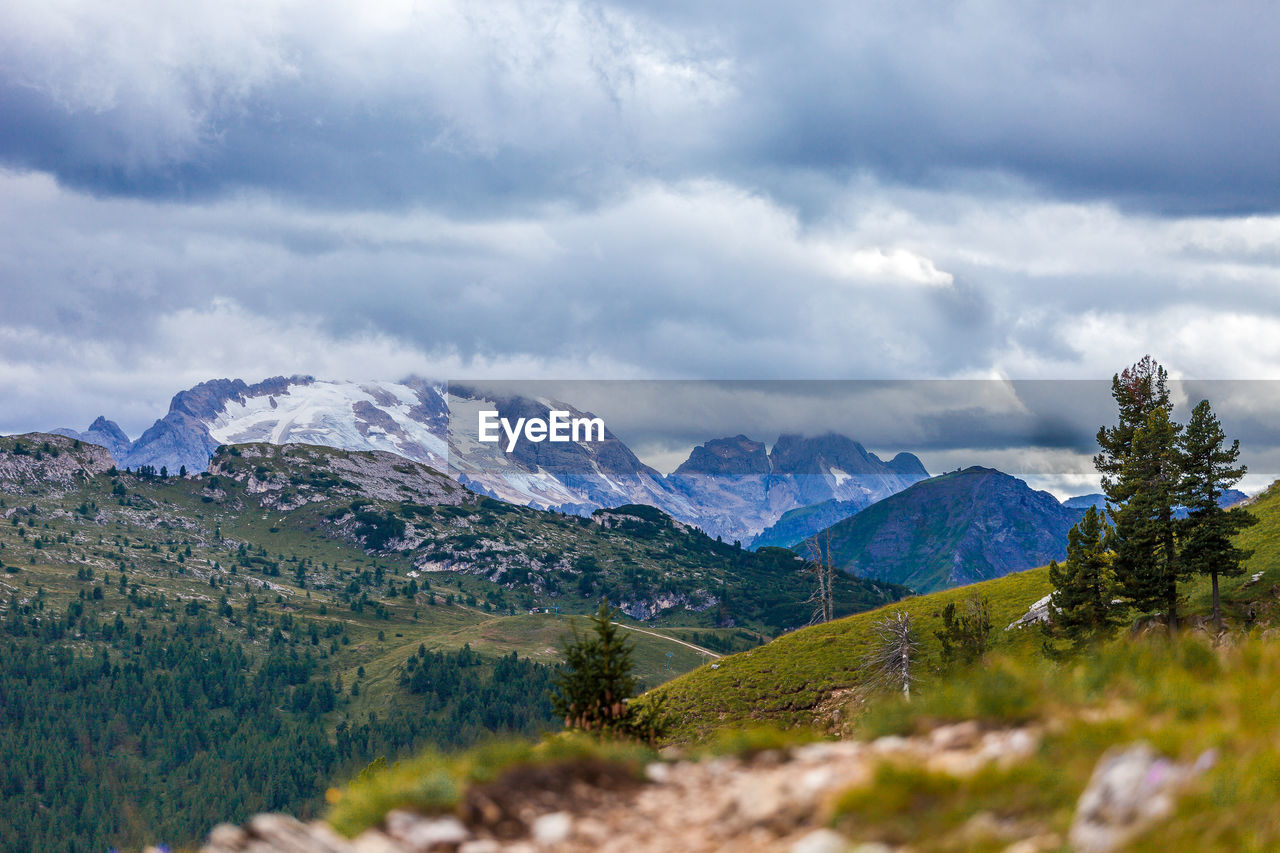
(957, 528)
(730, 487)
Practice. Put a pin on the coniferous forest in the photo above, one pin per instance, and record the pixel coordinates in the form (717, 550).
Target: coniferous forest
(155, 728)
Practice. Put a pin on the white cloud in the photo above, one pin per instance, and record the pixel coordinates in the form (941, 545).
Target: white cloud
(687, 279)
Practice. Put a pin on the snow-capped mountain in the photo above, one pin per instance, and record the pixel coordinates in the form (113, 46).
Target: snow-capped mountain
(408, 418)
(567, 476)
(731, 487)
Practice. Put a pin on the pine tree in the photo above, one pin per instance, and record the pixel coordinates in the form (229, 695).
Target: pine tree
(965, 633)
(594, 687)
(1084, 588)
(1140, 466)
(1145, 530)
(1209, 469)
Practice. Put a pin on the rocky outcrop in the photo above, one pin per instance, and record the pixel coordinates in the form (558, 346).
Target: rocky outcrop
(41, 461)
(1035, 615)
(775, 800)
(645, 609)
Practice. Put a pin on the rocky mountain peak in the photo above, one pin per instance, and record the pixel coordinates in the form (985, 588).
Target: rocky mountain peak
(206, 400)
(907, 464)
(727, 457)
(796, 454)
(106, 427)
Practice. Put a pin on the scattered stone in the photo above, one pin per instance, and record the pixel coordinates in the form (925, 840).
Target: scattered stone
(890, 744)
(373, 841)
(227, 835)
(1036, 844)
(778, 803)
(657, 772)
(552, 829)
(480, 845)
(821, 841)
(424, 834)
(959, 736)
(1131, 788)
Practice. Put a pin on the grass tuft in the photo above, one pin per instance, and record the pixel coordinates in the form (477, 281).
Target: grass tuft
(435, 783)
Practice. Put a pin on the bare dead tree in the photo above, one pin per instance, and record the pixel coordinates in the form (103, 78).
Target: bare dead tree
(893, 649)
(819, 551)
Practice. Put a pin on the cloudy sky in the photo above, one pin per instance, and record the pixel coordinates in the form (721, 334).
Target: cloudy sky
(653, 189)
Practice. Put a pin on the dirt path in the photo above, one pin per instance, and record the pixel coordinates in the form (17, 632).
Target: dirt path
(778, 801)
(706, 652)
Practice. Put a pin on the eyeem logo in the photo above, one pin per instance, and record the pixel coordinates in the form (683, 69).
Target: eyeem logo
(557, 426)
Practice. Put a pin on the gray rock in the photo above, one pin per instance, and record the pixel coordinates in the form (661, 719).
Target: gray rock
(420, 833)
(1037, 613)
(1132, 788)
(552, 829)
(821, 841)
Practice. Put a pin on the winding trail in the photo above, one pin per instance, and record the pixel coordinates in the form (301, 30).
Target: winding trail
(707, 652)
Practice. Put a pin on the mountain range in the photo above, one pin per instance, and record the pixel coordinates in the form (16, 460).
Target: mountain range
(730, 487)
(1228, 499)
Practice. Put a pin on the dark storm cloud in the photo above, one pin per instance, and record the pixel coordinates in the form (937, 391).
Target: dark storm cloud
(636, 190)
(1163, 107)
(1040, 429)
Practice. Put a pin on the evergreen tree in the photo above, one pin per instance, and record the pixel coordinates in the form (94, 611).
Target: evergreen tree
(1140, 466)
(594, 687)
(965, 633)
(1145, 530)
(1209, 469)
(1084, 588)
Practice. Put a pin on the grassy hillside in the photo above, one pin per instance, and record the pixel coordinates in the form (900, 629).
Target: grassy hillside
(787, 682)
(803, 676)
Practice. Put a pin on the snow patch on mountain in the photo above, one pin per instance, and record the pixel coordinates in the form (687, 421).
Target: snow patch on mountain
(349, 415)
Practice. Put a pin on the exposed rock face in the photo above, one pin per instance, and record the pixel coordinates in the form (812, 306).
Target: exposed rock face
(1035, 615)
(650, 608)
(955, 529)
(40, 461)
(727, 457)
(377, 476)
(174, 441)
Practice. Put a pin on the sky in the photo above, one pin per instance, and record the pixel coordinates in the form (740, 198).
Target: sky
(1043, 431)
(725, 190)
